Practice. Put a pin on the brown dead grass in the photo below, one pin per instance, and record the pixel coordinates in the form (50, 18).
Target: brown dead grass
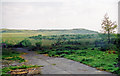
(33, 71)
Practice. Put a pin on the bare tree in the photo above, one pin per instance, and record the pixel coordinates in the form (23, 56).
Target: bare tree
(108, 26)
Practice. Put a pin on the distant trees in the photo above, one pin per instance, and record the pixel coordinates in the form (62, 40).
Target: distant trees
(36, 37)
(65, 37)
(108, 26)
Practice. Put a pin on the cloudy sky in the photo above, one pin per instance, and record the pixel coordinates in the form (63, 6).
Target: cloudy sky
(57, 14)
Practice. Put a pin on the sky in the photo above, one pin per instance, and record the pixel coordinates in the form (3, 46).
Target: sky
(57, 14)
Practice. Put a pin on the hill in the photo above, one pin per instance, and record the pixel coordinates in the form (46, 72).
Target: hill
(51, 31)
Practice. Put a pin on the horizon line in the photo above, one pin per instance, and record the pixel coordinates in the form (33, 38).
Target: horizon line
(47, 29)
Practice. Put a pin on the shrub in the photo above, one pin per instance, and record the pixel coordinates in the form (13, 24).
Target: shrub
(93, 49)
(6, 45)
(52, 53)
(38, 44)
(25, 43)
(62, 55)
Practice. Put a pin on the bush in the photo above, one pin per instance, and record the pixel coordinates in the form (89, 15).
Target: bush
(52, 53)
(108, 47)
(38, 44)
(25, 43)
(92, 48)
(6, 45)
(71, 47)
(62, 55)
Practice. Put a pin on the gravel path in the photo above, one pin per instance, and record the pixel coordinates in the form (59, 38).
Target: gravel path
(58, 65)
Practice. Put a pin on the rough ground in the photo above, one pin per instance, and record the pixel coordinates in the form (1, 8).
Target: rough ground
(58, 65)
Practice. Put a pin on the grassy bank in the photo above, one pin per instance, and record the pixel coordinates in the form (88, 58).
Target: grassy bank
(95, 58)
(9, 54)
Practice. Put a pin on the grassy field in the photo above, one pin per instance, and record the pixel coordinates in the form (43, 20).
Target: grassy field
(14, 38)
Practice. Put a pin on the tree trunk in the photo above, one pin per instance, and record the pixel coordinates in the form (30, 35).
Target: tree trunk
(108, 37)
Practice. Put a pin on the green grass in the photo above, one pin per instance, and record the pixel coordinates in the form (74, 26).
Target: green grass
(9, 54)
(95, 58)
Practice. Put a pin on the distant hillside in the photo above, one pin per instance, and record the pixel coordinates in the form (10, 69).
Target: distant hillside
(46, 31)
